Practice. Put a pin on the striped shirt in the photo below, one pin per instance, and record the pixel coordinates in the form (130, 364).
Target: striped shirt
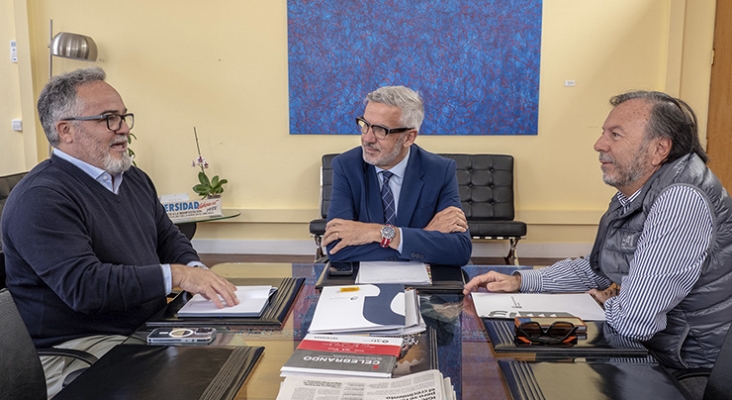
(667, 262)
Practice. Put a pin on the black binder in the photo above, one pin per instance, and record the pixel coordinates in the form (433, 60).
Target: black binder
(502, 336)
(597, 380)
(273, 315)
(130, 371)
(445, 279)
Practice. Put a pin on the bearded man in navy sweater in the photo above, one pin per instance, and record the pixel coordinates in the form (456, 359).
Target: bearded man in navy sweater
(90, 252)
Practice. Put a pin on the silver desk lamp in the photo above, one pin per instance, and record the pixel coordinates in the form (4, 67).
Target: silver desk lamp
(69, 45)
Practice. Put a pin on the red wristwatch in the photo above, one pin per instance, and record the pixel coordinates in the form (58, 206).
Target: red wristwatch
(387, 234)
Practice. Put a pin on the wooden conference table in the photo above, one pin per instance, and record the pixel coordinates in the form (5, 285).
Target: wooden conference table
(464, 353)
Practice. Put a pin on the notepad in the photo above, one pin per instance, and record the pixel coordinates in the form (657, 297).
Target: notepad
(252, 301)
(404, 272)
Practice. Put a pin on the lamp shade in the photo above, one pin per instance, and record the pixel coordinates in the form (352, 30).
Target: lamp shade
(72, 45)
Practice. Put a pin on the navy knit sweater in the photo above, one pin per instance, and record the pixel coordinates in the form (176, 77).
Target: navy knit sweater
(82, 260)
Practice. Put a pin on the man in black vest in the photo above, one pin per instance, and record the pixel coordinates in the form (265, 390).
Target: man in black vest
(666, 239)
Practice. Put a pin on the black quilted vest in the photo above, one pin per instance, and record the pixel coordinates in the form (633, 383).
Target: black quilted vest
(696, 327)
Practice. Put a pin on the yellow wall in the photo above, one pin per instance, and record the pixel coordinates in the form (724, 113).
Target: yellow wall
(11, 142)
(221, 66)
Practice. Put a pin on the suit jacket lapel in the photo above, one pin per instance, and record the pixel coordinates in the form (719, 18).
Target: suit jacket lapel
(411, 188)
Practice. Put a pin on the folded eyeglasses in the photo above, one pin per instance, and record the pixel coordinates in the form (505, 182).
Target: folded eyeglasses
(559, 332)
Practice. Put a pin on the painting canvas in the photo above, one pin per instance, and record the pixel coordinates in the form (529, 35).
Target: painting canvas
(474, 62)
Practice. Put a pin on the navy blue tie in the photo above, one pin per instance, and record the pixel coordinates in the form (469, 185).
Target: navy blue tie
(387, 198)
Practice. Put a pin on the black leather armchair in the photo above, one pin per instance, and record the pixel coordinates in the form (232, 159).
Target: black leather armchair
(317, 226)
(7, 183)
(485, 182)
(21, 373)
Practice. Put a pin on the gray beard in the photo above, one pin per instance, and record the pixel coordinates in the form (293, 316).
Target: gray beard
(116, 166)
(635, 171)
(387, 158)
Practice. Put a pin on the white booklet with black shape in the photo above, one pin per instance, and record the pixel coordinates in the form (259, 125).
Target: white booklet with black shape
(359, 308)
(511, 305)
(252, 301)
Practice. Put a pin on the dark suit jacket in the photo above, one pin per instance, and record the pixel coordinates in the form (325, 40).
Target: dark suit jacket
(429, 186)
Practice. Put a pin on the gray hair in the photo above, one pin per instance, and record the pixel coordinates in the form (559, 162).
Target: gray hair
(58, 98)
(405, 99)
(671, 118)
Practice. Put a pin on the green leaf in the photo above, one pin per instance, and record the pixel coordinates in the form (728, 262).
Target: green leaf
(203, 179)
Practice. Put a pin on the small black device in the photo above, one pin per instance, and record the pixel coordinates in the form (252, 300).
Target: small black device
(181, 335)
(340, 268)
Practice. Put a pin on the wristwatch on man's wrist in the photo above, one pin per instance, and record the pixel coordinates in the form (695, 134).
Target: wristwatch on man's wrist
(387, 234)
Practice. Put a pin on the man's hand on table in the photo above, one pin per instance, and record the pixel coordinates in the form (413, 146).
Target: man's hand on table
(352, 233)
(494, 282)
(204, 282)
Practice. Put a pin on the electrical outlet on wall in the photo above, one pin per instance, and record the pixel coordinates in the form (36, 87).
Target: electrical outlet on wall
(13, 51)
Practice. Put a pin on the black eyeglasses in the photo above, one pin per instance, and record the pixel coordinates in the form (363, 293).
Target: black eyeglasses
(557, 333)
(114, 121)
(379, 131)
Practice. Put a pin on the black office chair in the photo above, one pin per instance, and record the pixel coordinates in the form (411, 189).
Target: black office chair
(7, 183)
(21, 373)
(485, 182)
(317, 226)
(719, 384)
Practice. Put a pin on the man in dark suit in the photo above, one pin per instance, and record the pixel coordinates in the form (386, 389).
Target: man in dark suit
(416, 214)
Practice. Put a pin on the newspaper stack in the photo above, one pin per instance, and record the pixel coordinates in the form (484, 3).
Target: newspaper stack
(428, 384)
(380, 309)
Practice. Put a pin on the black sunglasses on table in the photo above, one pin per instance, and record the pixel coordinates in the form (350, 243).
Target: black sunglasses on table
(559, 332)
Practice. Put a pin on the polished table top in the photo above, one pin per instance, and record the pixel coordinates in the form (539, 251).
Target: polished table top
(464, 353)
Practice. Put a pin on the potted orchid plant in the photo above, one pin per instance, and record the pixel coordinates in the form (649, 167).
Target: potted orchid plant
(206, 188)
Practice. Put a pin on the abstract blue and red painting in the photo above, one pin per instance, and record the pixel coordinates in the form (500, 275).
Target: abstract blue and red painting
(475, 62)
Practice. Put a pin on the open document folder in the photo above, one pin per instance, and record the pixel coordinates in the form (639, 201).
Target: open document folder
(252, 301)
(383, 308)
(511, 305)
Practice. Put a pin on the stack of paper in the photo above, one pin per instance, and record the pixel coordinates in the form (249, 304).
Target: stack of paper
(404, 272)
(344, 355)
(385, 309)
(252, 301)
